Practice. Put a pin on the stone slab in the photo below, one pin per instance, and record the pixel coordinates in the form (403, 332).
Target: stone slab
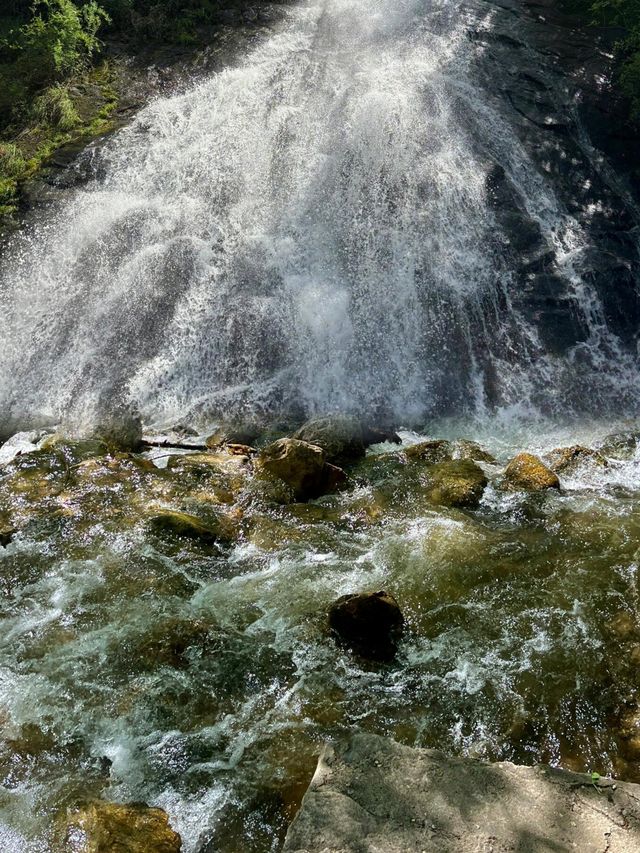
(374, 795)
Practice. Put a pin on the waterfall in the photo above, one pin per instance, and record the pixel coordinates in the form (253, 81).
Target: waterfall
(327, 225)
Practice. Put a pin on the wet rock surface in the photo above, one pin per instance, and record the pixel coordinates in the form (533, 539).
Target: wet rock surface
(526, 471)
(133, 828)
(370, 624)
(373, 794)
(301, 466)
(459, 483)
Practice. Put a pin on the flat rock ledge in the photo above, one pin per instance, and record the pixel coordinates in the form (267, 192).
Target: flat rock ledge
(376, 796)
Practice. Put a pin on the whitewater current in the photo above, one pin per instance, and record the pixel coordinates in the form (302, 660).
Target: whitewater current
(309, 230)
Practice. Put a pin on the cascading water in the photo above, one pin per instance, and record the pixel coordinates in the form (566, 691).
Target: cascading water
(389, 207)
(313, 230)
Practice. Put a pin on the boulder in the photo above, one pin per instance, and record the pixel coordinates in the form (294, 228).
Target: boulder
(301, 466)
(569, 459)
(127, 828)
(370, 793)
(629, 734)
(245, 434)
(369, 624)
(436, 450)
(529, 473)
(340, 436)
(459, 483)
(190, 526)
(344, 438)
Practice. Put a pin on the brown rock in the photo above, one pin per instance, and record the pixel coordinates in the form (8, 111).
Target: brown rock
(528, 472)
(121, 828)
(368, 623)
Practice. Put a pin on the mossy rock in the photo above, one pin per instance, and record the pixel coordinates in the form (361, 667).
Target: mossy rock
(184, 524)
(300, 466)
(571, 459)
(102, 827)
(458, 483)
(234, 433)
(529, 473)
(436, 450)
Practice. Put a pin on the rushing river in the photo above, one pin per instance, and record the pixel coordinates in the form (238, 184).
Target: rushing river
(351, 218)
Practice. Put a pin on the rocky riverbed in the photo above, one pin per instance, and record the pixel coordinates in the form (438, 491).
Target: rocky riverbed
(187, 618)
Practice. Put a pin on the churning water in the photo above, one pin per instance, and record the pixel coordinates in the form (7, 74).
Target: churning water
(310, 230)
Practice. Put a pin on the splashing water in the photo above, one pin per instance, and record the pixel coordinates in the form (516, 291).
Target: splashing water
(308, 231)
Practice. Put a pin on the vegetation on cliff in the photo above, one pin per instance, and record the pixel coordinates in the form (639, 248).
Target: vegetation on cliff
(625, 15)
(55, 83)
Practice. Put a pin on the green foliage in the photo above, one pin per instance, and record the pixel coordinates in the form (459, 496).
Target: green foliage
(59, 39)
(626, 15)
(55, 108)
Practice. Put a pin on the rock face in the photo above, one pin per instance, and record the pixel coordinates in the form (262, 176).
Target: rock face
(301, 466)
(460, 483)
(110, 827)
(528, 472)
(368, 623)
(375, 795)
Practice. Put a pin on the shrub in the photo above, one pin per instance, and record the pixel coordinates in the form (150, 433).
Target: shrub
(55, 108)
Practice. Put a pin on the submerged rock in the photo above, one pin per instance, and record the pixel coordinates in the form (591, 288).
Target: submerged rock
(569, 459)
(190, 526)
(123, 828)
(301, 466)
(458, 483)
(528, 472)
(368, 623)
(620, 445)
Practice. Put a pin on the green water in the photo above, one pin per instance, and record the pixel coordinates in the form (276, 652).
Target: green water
(202, 678)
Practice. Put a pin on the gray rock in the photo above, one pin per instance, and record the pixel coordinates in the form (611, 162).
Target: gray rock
(375, 795)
